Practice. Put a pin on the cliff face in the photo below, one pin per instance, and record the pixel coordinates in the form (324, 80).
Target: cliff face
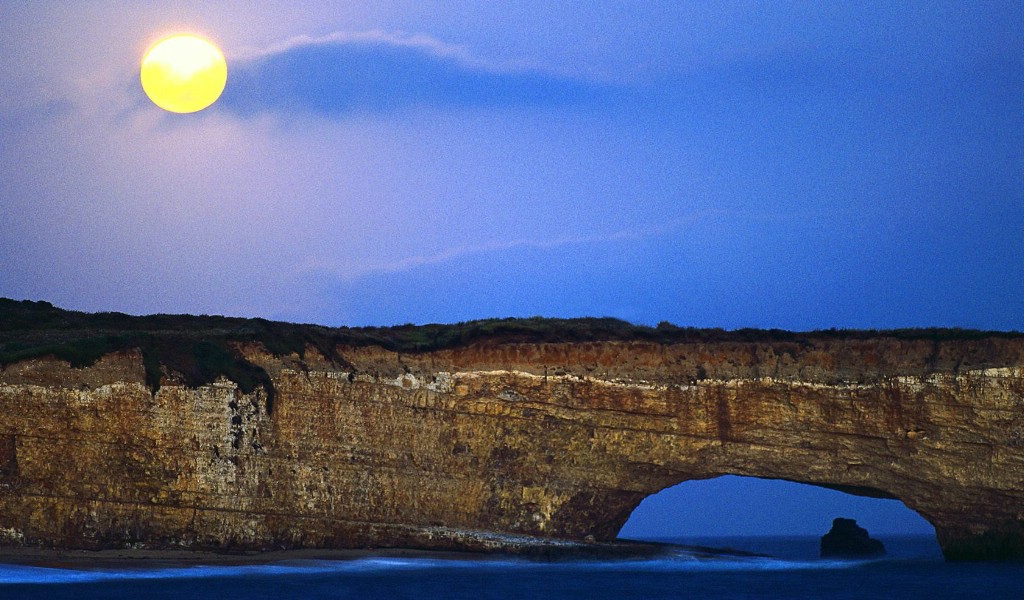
(443, 449)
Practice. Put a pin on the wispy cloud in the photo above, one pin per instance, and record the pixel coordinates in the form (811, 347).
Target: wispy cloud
(380, 72)
(348, 272)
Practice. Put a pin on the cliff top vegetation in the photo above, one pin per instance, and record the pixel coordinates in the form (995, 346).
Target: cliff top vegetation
(203, 347)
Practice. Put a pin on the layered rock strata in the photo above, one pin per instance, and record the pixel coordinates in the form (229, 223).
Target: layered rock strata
(471, 446)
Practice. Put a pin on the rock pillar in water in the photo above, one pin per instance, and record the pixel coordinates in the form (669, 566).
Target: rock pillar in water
(846, 539)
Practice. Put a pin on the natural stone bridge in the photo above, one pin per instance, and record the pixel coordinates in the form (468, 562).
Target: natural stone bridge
(371, 447)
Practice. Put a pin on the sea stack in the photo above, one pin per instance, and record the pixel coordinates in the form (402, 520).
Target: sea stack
(846, 539)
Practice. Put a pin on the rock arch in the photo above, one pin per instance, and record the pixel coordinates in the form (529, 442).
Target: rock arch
(586, 431)
(466, 446)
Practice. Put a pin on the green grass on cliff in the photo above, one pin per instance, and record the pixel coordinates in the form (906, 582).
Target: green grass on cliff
(202, 348)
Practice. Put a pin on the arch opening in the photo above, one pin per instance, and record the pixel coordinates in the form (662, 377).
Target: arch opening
(732, 508)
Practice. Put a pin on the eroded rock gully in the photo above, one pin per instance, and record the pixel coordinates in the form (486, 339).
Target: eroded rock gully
(455, 448)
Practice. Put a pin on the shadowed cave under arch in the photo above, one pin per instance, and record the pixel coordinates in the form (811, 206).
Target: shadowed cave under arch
(734, 506)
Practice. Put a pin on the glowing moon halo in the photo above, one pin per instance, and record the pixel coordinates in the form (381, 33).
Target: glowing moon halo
(184, 73)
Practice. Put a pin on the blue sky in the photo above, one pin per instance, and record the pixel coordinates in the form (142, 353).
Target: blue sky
(727, 164)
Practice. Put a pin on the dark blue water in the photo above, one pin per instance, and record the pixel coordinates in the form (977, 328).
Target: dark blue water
(913, 569)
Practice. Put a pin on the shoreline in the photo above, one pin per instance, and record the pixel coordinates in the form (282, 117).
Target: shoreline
(145, 558)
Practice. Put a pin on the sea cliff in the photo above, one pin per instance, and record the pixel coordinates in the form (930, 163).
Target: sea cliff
(233, 434)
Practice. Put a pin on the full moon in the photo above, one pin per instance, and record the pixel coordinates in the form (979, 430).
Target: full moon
(184, 73)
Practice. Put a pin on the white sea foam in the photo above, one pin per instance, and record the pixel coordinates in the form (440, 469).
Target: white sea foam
(20, 574)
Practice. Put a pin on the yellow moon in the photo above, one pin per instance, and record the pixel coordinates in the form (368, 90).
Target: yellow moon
(184, 73)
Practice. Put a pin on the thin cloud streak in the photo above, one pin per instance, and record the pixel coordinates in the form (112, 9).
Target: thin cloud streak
(419, 42)
(347, 272)
(378, 72)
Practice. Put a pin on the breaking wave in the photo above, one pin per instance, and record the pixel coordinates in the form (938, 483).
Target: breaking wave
(22, 574)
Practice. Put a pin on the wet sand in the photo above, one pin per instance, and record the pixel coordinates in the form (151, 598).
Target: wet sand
(149, 559)
(144, 558)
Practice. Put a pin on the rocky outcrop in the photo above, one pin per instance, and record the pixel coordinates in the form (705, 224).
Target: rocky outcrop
(479, 444)
(846, 539)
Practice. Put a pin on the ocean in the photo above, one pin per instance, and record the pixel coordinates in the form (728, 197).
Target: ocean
(913, 568)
